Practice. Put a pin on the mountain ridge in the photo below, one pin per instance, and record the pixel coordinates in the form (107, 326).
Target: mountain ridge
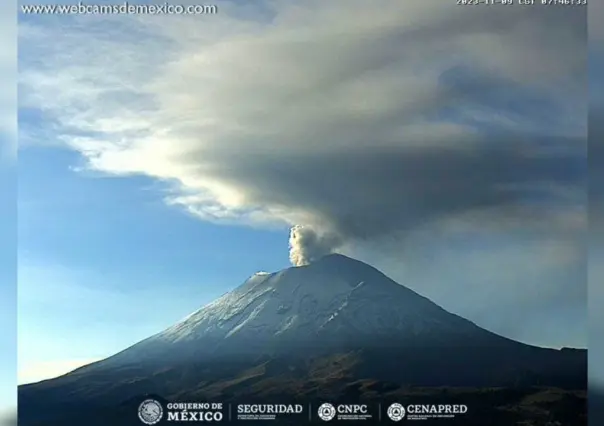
(319, 330)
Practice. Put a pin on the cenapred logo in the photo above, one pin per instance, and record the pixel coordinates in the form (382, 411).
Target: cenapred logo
(150, 412)
(396, 412)
(327, 412)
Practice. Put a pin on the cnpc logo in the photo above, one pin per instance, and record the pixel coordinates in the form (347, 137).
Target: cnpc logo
(328, 412)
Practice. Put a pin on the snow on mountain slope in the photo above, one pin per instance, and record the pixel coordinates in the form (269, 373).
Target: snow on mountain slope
(333, 296)
(334, 306)
(335, 303)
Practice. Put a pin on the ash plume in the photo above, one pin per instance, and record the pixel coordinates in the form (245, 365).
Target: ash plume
(306, 245)
(408, 125)
(429, 118)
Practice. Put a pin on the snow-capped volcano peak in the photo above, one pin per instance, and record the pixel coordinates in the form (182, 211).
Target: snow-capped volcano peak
(334, 307)
(335, 297)
(335, 302)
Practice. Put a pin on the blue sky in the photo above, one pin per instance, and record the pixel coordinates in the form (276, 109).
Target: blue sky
(8, 217)
(164, 159)
(8, 290)
(98, 253)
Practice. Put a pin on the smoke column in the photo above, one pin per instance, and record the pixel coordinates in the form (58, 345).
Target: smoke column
(306, 245)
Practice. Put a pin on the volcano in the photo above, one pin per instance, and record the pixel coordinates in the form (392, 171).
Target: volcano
(337, 328)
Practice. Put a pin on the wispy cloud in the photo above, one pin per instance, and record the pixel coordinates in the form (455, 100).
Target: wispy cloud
(8, 87)
(361, 122)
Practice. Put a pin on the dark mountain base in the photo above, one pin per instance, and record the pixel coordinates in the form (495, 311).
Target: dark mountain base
(527, 390)
(335, 331)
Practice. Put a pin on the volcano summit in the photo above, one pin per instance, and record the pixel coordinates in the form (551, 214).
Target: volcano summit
(336, 329)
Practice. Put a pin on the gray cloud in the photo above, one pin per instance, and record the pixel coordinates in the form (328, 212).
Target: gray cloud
(369, 193)
(358, 123)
